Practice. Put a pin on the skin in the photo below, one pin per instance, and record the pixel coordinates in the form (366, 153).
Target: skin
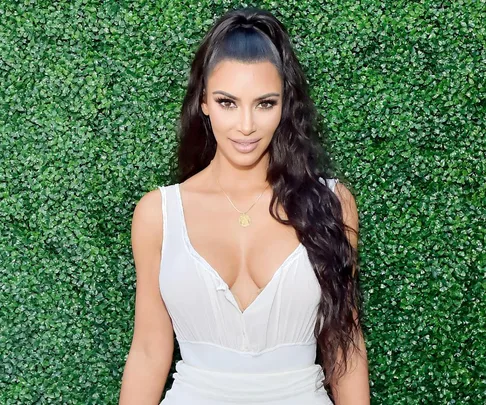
(242, 114)
(239, 261)
(353, 387)
(242, 173)
(246, 118)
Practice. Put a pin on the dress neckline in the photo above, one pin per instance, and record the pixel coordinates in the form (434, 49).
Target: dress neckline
(213, 271)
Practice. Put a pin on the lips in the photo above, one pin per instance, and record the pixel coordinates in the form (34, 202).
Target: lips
(245, 142)
(245, 146)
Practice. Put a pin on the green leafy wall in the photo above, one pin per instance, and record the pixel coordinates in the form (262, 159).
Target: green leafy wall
(89, 98)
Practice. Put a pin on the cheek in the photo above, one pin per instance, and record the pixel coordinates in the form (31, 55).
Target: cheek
(220, 120)
(268, 122)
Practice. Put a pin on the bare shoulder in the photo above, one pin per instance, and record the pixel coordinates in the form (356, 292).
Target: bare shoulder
(350, 211)
(148, 209)
(347, 200)
(146, 232)
(153, 327)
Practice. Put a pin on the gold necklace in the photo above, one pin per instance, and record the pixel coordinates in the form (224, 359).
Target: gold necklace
(244, 219)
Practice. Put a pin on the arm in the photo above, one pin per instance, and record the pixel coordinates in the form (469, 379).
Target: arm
(150, 356)
(353, 387)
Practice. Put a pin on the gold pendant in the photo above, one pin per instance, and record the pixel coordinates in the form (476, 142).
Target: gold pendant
(244, 220)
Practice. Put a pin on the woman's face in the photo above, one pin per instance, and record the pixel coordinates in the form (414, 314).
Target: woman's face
(244, 103)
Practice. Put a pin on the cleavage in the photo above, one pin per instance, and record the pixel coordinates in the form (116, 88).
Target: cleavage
(245, 259)
(246, 274)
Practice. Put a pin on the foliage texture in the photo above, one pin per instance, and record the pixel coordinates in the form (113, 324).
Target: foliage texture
(89, 101)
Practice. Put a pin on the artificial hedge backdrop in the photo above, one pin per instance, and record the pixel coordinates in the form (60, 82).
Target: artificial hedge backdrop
(89, 99)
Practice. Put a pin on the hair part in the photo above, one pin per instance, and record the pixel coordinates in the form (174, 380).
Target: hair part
(244, 43)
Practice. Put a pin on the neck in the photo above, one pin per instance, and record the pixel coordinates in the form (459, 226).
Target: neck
(238, 179)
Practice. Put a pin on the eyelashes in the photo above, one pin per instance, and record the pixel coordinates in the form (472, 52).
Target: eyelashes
(270, 103)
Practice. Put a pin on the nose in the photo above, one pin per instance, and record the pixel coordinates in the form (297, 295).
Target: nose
(247, 121)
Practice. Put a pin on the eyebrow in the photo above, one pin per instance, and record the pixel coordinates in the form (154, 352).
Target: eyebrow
(237, 99)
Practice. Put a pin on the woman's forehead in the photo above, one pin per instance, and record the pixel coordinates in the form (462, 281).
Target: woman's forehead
(237, 74)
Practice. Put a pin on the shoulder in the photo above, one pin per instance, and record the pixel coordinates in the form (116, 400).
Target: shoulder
(350, 211)
(147, 217)
(149, 204)
(350, 215)
(346, 198)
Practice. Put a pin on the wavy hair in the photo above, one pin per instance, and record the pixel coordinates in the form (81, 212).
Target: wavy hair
(298, 158)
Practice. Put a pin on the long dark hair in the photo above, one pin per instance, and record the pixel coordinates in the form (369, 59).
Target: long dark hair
(297, 158)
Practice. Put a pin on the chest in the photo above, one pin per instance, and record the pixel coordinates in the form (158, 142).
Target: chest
(245, 259)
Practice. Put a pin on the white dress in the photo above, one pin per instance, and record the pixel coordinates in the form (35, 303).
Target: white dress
(264, 355)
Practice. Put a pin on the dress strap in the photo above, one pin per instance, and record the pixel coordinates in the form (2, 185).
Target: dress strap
(331, 183)
(171, 215)
(163, 195)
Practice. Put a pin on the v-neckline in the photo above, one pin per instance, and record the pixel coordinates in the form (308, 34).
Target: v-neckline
(213, 271)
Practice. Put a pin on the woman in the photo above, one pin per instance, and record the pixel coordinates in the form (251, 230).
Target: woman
(251, 258)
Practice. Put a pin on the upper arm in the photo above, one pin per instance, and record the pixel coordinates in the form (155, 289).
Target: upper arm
(350, 214)
(353, 387)
(153, 332)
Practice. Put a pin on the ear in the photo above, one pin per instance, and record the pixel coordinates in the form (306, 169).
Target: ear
(204, 104)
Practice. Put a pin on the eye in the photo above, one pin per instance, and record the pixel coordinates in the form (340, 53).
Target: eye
(221, 102)
(269, 104)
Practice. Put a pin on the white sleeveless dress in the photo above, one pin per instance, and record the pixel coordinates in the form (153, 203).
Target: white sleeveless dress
(264, 355)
